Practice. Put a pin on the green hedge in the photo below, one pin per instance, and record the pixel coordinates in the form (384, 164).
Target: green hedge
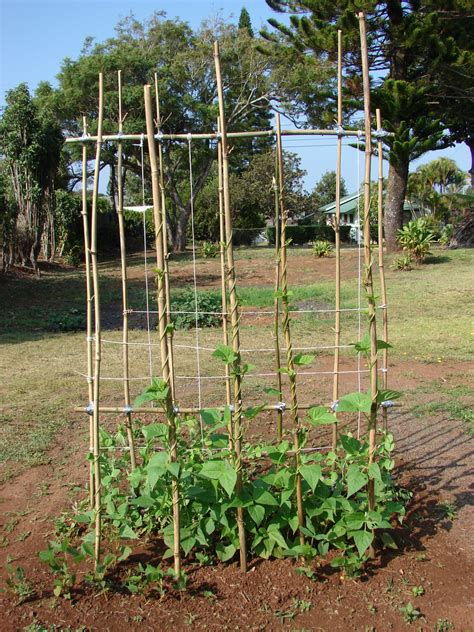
(304, 233)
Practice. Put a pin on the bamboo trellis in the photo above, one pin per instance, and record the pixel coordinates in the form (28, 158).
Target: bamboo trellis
(231, 314)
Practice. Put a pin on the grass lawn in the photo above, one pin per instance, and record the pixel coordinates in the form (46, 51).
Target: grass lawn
(430, 320)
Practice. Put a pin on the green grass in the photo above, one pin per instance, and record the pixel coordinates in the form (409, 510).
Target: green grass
(430, 311)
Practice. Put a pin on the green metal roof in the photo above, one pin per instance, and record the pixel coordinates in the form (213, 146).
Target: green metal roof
(349, 204)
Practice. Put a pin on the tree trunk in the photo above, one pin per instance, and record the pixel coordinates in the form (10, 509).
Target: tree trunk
(470, 143)
(396, 190)
(179, 236)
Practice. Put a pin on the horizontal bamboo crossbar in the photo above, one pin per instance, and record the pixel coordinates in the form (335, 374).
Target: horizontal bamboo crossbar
(216, 135)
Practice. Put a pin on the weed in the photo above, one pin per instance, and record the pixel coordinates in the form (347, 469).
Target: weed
(448, 510)
(410, 613)
(421, 557)
(443, 625)
(23, 536)
(19, 584)
(417, 591)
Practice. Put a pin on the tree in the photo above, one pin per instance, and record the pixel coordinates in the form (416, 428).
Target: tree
(438, 187)
(325, 190)
(31, 144)
(408, 42)
(253, 197)
(245, 21)
(184, 62)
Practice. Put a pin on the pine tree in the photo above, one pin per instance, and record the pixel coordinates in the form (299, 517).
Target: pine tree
(245, 21)
(409, 43)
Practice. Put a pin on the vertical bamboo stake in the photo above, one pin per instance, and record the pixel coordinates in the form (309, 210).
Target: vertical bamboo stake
(123, 262)
(276, 302)
(162, 318)
(225, 320)
(337, 231)
(368, 281)
(87, 257)
(287, 333)
(383, 285)
(165, 239)
(97, 327)
(234, 309)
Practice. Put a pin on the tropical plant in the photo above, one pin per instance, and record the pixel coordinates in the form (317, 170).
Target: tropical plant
(403, 262)
(322, 248)
(416, 238)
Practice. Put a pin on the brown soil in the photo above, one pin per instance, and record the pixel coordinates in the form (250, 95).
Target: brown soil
(436, 550)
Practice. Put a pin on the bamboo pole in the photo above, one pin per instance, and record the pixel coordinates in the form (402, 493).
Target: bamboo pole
(225, 321)
(383, 285)
(97, 328)
(214, 135)
(234, 309)
(162, 320)
(276, 301)
(123, 263)
(337, 231)
(165, 240)
(287, 332)
(368, 280)
(89, 299)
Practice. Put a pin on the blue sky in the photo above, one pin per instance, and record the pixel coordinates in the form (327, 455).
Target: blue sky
(36, 35)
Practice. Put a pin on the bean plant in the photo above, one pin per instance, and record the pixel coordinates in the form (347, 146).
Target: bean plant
(138, 504)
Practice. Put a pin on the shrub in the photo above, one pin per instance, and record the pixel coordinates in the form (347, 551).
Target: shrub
(209, 305)
(416, 238)
(304, 233)
(209, 250)
(446, 235)
(403, 262)
(322, 248)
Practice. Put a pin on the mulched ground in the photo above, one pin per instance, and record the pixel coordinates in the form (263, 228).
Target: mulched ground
(436, 549)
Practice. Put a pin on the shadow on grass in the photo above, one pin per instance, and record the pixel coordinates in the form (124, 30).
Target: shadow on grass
(436, 259)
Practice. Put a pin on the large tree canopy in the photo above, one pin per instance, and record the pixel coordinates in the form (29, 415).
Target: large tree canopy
(410, 44)
(184, 62)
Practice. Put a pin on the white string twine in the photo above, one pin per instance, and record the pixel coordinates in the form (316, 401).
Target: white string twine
(359, 283)
(196, 312)
(145, 255)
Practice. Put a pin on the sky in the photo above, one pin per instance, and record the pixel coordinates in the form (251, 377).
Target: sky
(36, 35)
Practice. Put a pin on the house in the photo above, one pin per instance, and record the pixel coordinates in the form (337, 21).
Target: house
(352, 209)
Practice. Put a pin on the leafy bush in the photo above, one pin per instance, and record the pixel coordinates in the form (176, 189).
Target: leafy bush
(209, 306)
(72, 320)
(416, 238)
(403, 262)
(322, 248)
(209, 250)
